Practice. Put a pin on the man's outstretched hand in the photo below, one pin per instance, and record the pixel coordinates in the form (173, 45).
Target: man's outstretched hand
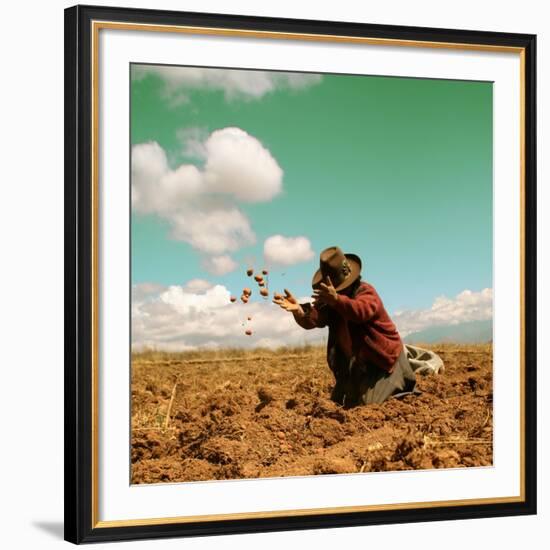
(326, 294)
(289, 303)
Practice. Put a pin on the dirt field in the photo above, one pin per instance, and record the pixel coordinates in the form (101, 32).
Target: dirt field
(238, 414)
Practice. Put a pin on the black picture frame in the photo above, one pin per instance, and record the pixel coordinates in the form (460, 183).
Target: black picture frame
(80, 526)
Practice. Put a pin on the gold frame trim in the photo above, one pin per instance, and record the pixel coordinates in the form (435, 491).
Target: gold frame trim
(113, 25)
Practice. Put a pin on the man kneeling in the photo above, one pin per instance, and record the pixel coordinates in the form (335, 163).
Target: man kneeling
(364, 349)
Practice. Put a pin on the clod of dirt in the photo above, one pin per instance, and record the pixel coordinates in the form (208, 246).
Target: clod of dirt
(219, 450)
(264, 292)
(247, 292)
(405, 447)
(249, 318)
(248, 332)
(249, 272)
(233, 298)
(265, 397)
(258, 278)
(291, 403)
(327, 430)
(277, 296)
(446, 459)
(244, 299)
(328, 409)
(264, 271)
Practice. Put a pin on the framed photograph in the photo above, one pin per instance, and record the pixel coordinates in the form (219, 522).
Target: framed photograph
(300, 279)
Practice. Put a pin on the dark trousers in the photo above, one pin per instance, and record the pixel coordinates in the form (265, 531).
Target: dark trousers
(360, 383)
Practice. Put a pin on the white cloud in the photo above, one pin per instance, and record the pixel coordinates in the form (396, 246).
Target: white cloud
(466, 306)
(185, 302)
(197, 285)
(177, 319)
(238, 164)
(143, 291)
(192, 140)
(212, 229)
(279, 250)
(156, 189)
(234, 83)
(220, 265)
(201, 204)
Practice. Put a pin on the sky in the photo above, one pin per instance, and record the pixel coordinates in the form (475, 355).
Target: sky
(234, 169)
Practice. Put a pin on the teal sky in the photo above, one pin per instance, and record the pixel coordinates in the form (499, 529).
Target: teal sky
(396, 170)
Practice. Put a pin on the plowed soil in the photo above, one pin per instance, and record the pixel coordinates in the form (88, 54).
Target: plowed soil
(249, 414)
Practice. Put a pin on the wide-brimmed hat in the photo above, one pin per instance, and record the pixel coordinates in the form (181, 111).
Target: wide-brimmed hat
(343, 269)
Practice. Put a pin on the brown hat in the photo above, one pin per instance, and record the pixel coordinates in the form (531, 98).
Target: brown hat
(343, 269)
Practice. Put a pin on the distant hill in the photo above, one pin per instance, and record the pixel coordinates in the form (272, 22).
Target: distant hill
(472, 332)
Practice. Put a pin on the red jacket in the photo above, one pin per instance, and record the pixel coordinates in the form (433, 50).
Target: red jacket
(374, 337)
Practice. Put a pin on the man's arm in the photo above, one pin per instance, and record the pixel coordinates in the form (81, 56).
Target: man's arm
(360, 309)
(306, 315)
(310, 316)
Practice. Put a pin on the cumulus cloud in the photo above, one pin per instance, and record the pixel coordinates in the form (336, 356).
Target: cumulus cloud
(201, 204)
(212, 229)
(466, 306)
(176, 318)
(197, 285)
(156, 189)
(285, 251)
(185, 302)
(143, 290)
(192, 140)
(239, 165)
(234, 83)
(220, 265)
